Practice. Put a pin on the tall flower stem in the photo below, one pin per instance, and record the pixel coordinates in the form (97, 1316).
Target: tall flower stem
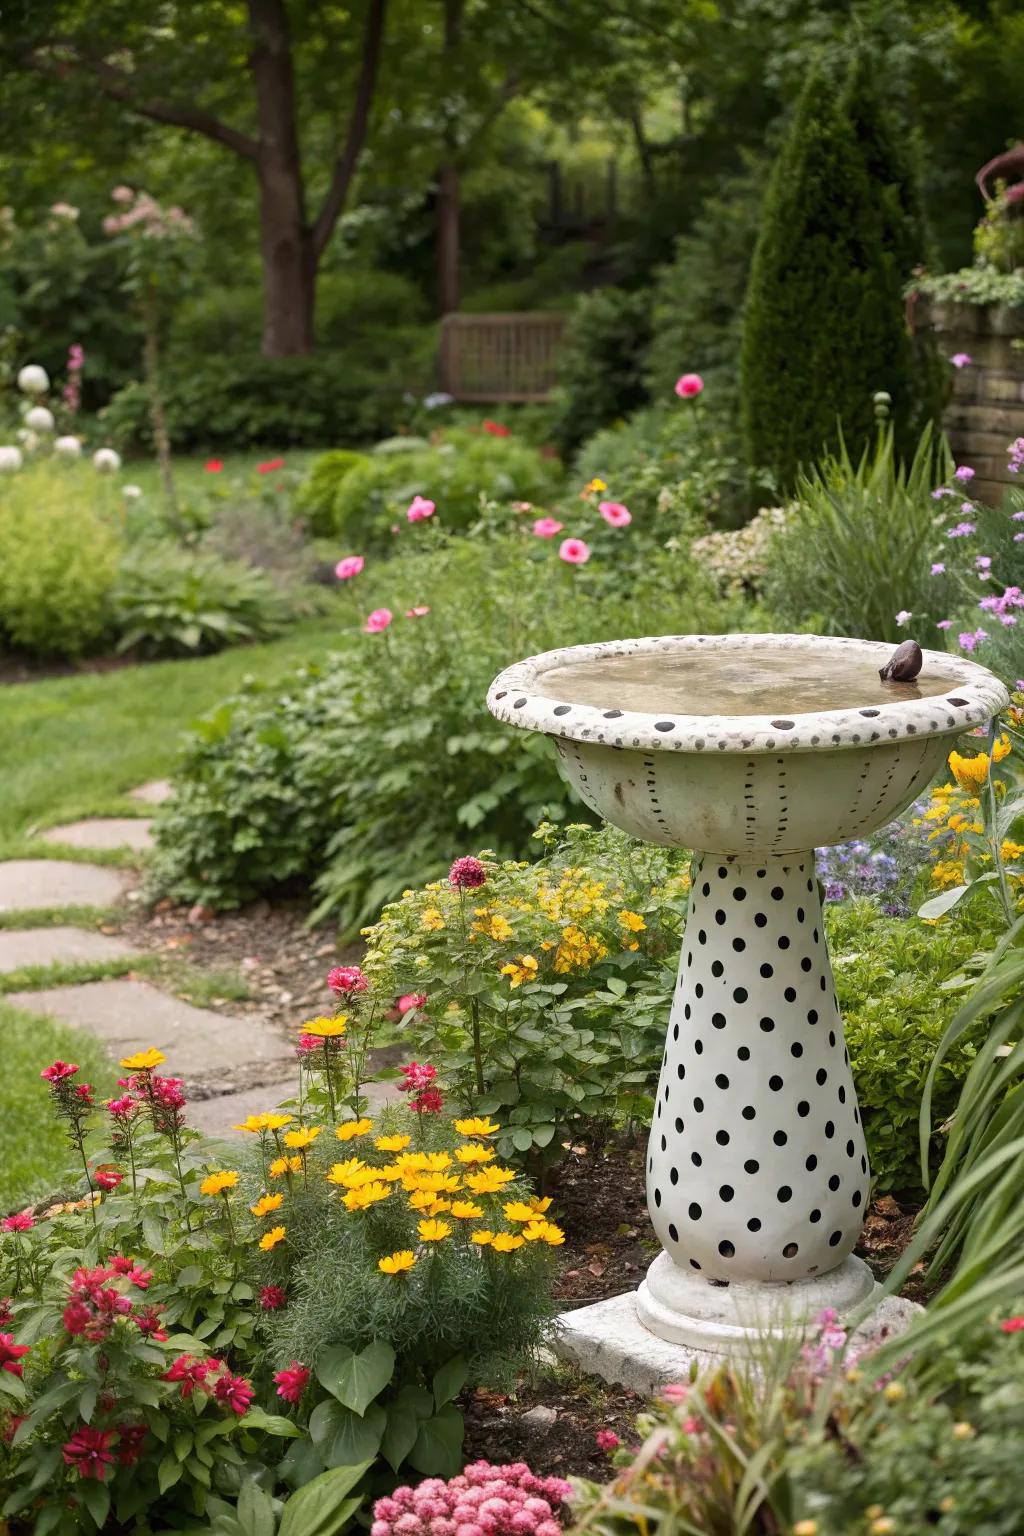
(474, 1005)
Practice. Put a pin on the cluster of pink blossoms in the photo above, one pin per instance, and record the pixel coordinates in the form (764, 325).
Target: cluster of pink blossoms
(418, 1078)
(145, 214)
(164, 1097)
(72, 393)
(292, 1382)
(482, 1501)
(344, 980)
(96, 1301)
(212, 1377)
(467, 874)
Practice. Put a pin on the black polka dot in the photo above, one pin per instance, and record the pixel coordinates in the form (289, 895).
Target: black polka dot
(754, 1224)
(718, 1020)
(673, 1234)
(679, 1125)
(834, 1182)
(800, 914)
(726, 1193)
(796, 1049)
(815, 1216)
(806, 963)
(705, 889)
(722, 872)
(696, 1159)
(767, 1025)
(849, 1149)
(790, 1251)
(751, 1165)
(721, 1080)
(810, 1163)
(657, 1197)
(743, 1054)
(694, 1264)
(748, 1112)
(739, 945)
(783, 942)
(842, 1094)
(812, 1016)
(739, 894)
(673, 1175)
(803, 1109)
(777, 893)
(698, 1046)
(856, 1199)
(834, 1239)
(698, 1105)
(760, 920)
(664, 1144)
(780, 1138)
(722, 1137)
(830, 1130)
(821, 1077)
(767, 971)
(783, 1193)
(717, 968)
(695, 1213)
(726, 1248)
(775, 1082)
(739, 994)
(720, 918)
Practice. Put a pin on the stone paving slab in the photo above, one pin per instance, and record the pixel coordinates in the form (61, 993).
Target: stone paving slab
(218, 1117)
(29, 883)
(21, 947)
(129, 1016)
(104, 832)
(153, 792)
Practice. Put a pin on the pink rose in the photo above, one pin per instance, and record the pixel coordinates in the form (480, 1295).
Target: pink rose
(411, 1000)
(352, 565)
(547, 527)
(615, 514)
(574, 551)
(419, 508)
(688, 385)
(420, 612)
(378, 620)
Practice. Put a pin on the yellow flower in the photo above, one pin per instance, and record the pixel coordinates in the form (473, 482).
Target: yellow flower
(301, 1139)
(963, 1430)
(434, 1231)
(257, 1124)
(283, 1165)
(489, 1180)
(391, 1172)
(596, 485)
(143, 1061)
(438, 1183)
(539, 1206)
(493, 926)
(325, 1028)
(465, 1210)
(421, 1199)
(477, 1127)
(518, 1210)
(341, 1172)
(216, 1183)
(397, 1263)
(633, 921)
(895, 1392)
(523, 970)
(436, 1161)
(544, 1232)
(265, 1204)
(439, 1207)
(946, 873)
(392, 1143)
(432, 920)
(481, 1238)
(272, 1238)
(507, 1242)
(277, 1120)
(884, 1525)
(475, 1153)
(353, 1128)
(806, 1528)
(367, 1195)
(1009, 851)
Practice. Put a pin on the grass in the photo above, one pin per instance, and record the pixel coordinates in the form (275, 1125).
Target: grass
(191, 477)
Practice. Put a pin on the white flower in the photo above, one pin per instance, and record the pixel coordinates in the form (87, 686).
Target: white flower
(33, 380)
(903, 617)
(10, 458)
(67, 447)
(64, 211)
(131, 492)
(107, 461)
(39, 419)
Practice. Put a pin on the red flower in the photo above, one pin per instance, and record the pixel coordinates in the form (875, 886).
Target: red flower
(214, 466)
(10, 1427)
(417, 1075)
(292, 1382)
(411, 1000)
(235, 1392)
(467, 874)
(1012, 1325)
(130, 1439)
(21, 1221)
(607, 1440)
(11, 1354)
(87, 1451)
(495, 429)
(192, 1373)
(107, 1179)
(58, 1071)
(148, 1323)
(122, 1108)
(84, 1092)
(347, 979)
(272, 1297)
(5, 1310)
(269, 465)
(429, 1101)
(77, 1317)
(131, 1271)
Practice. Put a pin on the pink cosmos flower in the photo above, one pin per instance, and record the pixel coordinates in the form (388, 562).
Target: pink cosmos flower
(615, 514)
(961, 531)
(574, 551)
(467, 874)
(292, 1382)
(522, 506)
(961, 359)
(983, 562)
(1012, 1325)
(963, 472)
(347, 979)
(21, 1221)
(688, 385)
(675, 1392)
(547, 527)
(377, 621)
(969, 641)
(904, 617)
(411, 1000)
(419, 612)
(352, 565)
(419, 509)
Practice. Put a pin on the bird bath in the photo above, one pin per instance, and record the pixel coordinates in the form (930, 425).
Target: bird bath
(752, 750)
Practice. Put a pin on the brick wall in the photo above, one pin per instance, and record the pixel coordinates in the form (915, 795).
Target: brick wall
(986, 411)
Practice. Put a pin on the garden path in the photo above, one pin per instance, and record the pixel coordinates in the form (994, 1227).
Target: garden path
(233, 1065)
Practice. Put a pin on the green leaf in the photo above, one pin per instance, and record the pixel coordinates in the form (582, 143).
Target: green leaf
(345, 1438)
(255, 1512)
(522, 1139)
(152, 1231)
(438, 1448)
(400, 1435)
(270, 1423)
(168, 1472)
(355, 1380)
(944, 902)
(96, 1498)
(322, 1507)
(450, 1379)
(190, 1275)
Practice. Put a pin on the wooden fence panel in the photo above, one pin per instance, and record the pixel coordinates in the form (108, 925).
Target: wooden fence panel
(503, 358)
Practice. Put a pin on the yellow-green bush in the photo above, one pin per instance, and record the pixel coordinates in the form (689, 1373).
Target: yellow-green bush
(59, 553)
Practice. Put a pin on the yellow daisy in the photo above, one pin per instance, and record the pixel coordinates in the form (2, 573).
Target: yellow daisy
(539, 1206)
(421, 1200)
(506, 1242)
(477, 1127)
(353, 1128)
(143, 1061)
(272, 1238)
(282, 1165)
(325, 1028)
(482, 1238)
(265, 1204)
(257, 1124)
(397, 1263)
(465, 1210)
(216, 1183)
(367, 1195)
(632, 921)
(437, 1161)
(341, 1172)
(544, 1232)
(439, 1183)
(301, 1139)
(435, 1231)
(475, 1153)
(392, 1143)
(489, 1180)
(518, 1210)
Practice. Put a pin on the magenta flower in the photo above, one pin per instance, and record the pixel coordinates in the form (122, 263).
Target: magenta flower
(467, 874)
(419, 612)
(58, 1071)
(88, 1451)
(688, 385)
(961, 531)
(21, 1221)
(411, 1000)
(1017, 517)
(377, 621)
(419, 509)
(272, 1298)
(574, 551)
(347, 979)
(352, 565)
(607, 1440)
(963, 472)
(944, 624)
(969, 640)
(943, 490)
(417, 1076)
(615, 514)
(292, 1382)
(235, 1392)
(983, 562)
(547, 527)
(961, 359)
(938, 569)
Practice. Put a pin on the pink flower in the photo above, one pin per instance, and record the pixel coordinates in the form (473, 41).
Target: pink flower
(269, 465)
(273, 1298)
(467, 874)
(11, 1355)
(419, 509)
(419, 612)
(688, 385)
(292, 1382)
(377, 621)
(234, 1391)
(186, 1369)
(983, 562)
(938, 569)
(615, 514)
(607, 1440)
(59, 1071)
(417, 1075)
(122, 195)
(347, 979)
(969, 641)
(308, 1043)
(1012, 1325)
(130, 1270)
(214, 466)
(21, 1221)
(547, 527)
(411, 1000)
(429, 1101)
(88, 1451)
(107, 1179)
(961, 359)
(77, 1316)
(963, 472)
(352, 565)
(122, 1108)
(522, 506)
(574, 551)
(675, 1392)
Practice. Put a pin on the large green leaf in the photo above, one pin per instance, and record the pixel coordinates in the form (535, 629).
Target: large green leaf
(345, 1438)
(323, 1507)
(449, 1380)
(438, 1448)
(355, 1380)
(255, 1513)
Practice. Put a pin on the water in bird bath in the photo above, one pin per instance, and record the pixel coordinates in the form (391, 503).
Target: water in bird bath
(710, 681)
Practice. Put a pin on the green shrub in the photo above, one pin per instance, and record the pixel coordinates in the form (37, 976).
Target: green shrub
(58, 559)
(455, 473)
(317, 493)
(600, 374)
(178, 602)
(859, 542)
(824, 325)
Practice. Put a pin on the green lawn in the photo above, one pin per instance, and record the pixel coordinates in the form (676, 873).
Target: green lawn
(191, 475)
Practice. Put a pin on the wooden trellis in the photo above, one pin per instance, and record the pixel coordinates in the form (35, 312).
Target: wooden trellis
(507, 358)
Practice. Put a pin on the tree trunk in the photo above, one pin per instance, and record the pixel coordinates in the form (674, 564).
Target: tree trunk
(448, 284)
(289, 266)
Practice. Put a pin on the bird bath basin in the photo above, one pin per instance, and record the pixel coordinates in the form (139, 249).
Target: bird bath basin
(752, 750)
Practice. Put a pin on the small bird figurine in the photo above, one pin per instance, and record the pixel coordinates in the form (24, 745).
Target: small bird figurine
(904, 664)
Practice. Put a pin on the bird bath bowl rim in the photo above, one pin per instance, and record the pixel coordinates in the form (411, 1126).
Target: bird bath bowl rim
(974, 697)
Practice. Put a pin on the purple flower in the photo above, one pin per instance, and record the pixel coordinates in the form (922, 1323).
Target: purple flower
(944, 624)
(1018, 538)
(969, 640)
(961, 531)
(943, 490)
(983, 562)
(1018, 517)
(938, 569)
(961, 359)
(835, 891)
(903, 617)
(963, 472)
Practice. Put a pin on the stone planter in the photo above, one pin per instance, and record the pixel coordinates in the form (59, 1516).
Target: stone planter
(757, 1171)
(986, 411)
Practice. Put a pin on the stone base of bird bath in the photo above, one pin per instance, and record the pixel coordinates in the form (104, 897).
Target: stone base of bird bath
(755, 750)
